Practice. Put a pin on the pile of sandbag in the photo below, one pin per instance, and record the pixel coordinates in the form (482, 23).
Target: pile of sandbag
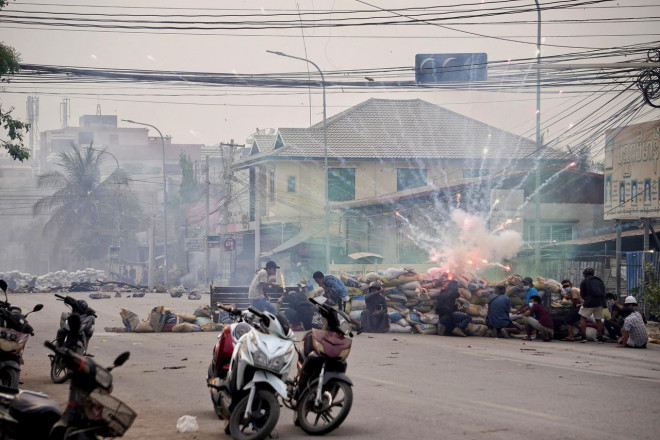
(60, 278)
(164, 319)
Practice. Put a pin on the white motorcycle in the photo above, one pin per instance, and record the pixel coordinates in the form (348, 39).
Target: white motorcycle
(259, 367)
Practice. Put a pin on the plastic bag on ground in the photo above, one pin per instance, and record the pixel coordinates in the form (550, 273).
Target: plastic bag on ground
(187, 424)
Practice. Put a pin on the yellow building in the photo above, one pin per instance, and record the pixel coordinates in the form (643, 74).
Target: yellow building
(377, 148)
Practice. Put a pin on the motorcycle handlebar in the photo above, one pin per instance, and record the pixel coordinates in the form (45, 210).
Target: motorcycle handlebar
(60, 297)
(255, 312)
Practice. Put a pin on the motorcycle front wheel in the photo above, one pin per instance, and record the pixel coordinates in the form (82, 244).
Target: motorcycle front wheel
(261, 419)
(58, 370)
(9, 378)
(336, 402)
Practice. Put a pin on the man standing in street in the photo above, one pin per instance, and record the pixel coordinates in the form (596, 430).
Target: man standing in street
(592, 290)
(264, 278)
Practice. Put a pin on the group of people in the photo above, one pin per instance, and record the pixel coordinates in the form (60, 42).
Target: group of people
(300, 312)
(590, 306)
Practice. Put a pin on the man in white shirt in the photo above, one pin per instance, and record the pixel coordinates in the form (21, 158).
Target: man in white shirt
(264, 278)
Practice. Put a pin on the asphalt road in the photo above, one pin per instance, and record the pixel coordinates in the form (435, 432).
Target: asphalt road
(406, 386)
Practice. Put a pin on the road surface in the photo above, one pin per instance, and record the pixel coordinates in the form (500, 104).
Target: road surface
(406, 386)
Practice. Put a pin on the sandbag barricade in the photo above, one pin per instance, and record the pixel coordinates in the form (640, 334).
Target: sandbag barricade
(164, 319)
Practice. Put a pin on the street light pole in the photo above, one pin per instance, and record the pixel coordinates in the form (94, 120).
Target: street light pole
(162, 140)
(325, 155)
(537, 225)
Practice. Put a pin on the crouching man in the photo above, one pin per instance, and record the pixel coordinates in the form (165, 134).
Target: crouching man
(540, 321)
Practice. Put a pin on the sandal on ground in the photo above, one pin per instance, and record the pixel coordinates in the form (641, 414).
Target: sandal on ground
(526, 338)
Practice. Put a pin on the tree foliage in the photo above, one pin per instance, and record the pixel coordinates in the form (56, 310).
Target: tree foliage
(13, 128)
(84, 209)
(189, 187)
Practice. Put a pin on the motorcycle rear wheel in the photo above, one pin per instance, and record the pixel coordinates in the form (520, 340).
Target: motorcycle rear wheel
(336, 402)
(9, 378)
(262, 419)
(58, 370)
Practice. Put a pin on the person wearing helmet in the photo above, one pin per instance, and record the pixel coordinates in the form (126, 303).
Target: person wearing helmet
(631, 303)
(592, 290)
(375, 318)
(634, 334)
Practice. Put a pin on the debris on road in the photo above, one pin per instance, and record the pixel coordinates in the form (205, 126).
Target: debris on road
(187, 424)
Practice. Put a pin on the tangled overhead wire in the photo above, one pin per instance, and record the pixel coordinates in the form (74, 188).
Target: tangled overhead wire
(649, 80)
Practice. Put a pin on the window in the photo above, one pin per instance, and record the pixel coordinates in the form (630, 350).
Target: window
(271, 185)
(341, 184)
(85, 138)
(475, 172)
(410, 178)
(550, 232)
(291, 184)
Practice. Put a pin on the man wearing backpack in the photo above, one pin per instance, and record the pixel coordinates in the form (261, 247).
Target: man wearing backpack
(592, 290)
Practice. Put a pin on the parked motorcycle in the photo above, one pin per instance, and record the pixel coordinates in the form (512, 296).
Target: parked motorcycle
(92, 412)
(322, 393)
(259, 366)
(76, 341)
(227, 340)
(14, 334)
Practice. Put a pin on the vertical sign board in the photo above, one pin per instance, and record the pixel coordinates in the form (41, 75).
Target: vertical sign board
(632, 172)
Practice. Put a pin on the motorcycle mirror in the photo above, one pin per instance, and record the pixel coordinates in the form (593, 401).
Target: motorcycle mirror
(3, 285)
(38, 307)
(122, 358)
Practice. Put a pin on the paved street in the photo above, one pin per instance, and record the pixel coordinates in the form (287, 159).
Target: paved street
(406, 386)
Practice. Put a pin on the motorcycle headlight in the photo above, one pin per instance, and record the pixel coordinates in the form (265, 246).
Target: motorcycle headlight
(260, 359)
(280, 361)
(103, 378)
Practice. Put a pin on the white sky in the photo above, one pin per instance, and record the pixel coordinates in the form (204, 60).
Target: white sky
(206, 116)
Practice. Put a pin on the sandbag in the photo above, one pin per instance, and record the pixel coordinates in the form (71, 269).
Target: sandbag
(202, 321)
(434, 292)
(429, 318)
(412, 302)
(550, 285)
(203, 311)
(402, 322)
(476, 330)
(157, 317)
(465, 293)
(419, 308)
(357, 315)
(410, 294)
(395, 282)
(371, 277)
(357, 303)
(187, 318)
(478, 320)
(348, 306)
(463, 305)
(170, 321)
(129, 319)
(462, 280)
(349, 280)
(411, 285)
(396, 328)
(514, 280)
(424, 329)
(475, 310)
(394, 272)
(513, 291)
(185, 327)
(479, 300)
(143, 327)
(481, 292)
(395, 299)
(516, 302)
(212, 327)
(394, 314)
(353, 291)
(408, 278)
(441, 330)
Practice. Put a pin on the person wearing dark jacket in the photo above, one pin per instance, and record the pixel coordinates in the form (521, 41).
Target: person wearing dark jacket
(592, 290)
(375, 318)
(298, 309)
(455, 322)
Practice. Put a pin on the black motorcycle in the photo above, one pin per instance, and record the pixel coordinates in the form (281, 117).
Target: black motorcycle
(91, 413)
(14, 334)
(77, 341)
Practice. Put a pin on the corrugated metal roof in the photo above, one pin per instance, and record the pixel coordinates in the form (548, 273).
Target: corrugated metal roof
(404, 129)
(602, 238)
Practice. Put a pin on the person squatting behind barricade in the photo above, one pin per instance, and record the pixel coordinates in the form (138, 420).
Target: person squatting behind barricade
(634, 333)
(592, 290)
(541, 321)
(298, 310)
(264, 278)
(499, 318)
(572, 318)
(375, 318)
(454, 322)
(334, 289)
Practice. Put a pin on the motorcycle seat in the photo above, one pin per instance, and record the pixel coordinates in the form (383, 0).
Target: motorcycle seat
(35, 409)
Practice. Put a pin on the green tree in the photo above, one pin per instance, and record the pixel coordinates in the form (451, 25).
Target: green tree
(84, 209)
(13, 128)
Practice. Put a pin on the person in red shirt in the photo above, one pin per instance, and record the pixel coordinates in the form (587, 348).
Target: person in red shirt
(537, 317)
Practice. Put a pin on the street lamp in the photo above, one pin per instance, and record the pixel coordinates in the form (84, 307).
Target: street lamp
(325, 154)
(162, 139)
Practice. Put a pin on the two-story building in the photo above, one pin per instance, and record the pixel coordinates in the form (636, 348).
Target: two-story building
(378, 148)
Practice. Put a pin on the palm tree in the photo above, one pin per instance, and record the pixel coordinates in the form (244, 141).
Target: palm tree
(82, 206)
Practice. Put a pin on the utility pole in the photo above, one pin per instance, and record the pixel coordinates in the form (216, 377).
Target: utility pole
(257, 220)
(207, 260)
(537, 224)
(618, 259)
(151, 237)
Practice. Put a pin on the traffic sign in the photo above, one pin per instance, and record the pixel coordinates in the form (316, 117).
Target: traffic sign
(450, 67)
(230, 244)
(193, 245)
(213, 241)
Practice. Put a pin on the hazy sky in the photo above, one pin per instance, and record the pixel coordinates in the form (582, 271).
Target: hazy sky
(204, 114)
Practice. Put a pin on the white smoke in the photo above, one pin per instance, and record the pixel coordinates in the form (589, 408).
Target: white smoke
(465, 244)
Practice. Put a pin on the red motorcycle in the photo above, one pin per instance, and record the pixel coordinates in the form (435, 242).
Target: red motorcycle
(227, 340)
(322, 393)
